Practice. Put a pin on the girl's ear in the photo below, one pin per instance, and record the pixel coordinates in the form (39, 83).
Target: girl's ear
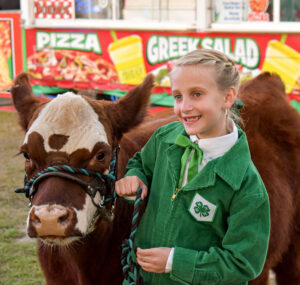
(230, 97)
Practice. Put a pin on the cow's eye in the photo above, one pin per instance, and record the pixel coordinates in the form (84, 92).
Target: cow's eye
(100, 156)
(25, 154)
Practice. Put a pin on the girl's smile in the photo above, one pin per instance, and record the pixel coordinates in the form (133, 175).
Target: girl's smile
(191, 120)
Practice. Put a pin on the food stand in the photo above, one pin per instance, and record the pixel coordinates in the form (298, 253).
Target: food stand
(109, 45)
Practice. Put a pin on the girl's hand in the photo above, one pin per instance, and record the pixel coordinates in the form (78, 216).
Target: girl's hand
(153, 259)
(128, 186)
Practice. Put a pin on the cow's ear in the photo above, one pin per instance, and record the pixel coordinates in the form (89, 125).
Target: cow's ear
(23, 99)
(131, 109)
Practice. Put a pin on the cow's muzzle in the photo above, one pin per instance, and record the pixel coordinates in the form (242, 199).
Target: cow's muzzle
(51, 221)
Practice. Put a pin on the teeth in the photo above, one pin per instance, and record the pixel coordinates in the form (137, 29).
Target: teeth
(190, 119)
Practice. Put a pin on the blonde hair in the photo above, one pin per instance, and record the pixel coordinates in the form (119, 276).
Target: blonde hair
(227, 74)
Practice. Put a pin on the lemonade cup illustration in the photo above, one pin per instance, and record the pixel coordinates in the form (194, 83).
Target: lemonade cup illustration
(284, 61)
(127, 56)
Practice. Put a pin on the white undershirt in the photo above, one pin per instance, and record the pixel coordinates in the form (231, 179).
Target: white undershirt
(215, 147)
(212, 148)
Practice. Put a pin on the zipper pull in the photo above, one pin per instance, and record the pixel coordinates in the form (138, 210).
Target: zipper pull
(175, 194)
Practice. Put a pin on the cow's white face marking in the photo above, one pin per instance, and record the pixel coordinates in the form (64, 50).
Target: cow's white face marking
(76, 119)
(84, 216)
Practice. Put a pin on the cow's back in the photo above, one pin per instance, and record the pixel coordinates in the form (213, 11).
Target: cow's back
(273, 131)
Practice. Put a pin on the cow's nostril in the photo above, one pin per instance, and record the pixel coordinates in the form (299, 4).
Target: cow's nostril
(36, 221)
(63, 219)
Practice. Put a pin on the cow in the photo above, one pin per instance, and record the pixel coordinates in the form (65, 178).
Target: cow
(74, 247)
(80, 132)
(273, 131)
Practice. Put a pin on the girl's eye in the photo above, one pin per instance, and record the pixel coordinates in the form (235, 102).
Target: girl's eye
(177, 97)
(100, 156)
(26, 156)
(197, 94)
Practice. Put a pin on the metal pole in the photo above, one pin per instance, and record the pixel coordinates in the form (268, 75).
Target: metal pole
(276, 11)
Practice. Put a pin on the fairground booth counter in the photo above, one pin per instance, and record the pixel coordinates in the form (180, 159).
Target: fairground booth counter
(107, 46)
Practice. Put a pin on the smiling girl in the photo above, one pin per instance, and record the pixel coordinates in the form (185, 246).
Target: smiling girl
(207, 219)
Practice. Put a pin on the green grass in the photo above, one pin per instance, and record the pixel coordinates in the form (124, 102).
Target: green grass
(18, 257)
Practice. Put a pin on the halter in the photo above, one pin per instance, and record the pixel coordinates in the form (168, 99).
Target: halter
(104, 184)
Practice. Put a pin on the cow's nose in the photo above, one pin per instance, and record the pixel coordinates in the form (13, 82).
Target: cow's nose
(49, 220)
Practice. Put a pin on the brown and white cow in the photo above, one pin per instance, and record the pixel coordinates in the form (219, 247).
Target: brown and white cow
(77, 131)
(80, 132)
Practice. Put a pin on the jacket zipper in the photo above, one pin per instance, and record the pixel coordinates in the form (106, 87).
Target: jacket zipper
(175, 194)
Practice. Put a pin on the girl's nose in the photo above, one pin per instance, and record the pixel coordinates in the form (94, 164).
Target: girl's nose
(186, 105)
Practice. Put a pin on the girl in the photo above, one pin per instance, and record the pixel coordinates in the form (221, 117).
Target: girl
(207, 219)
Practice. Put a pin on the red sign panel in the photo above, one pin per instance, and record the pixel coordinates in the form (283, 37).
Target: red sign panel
(97, 58)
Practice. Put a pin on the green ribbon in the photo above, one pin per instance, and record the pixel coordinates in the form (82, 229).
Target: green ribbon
(195, 160)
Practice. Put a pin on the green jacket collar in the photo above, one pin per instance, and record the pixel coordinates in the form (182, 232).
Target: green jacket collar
(231, 167)
(238, 158)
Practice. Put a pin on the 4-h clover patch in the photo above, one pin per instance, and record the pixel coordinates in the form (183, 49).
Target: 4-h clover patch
(201, 209)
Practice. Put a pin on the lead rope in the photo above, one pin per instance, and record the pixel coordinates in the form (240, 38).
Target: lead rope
(131, 269)
(114, 174)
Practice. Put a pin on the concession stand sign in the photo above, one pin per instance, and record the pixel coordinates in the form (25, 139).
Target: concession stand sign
(107, 59)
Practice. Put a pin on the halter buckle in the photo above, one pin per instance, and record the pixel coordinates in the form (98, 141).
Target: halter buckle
(101, 203)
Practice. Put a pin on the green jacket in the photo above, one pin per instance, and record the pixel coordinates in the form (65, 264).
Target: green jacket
(219, 222)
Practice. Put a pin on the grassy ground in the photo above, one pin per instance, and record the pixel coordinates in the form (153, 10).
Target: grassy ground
(18, 260)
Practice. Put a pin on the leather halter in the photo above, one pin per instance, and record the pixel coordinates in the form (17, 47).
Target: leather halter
(104, 184)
